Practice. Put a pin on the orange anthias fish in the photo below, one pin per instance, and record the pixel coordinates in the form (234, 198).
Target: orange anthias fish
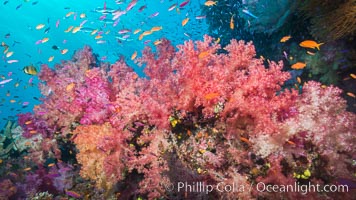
(157, 42)
(140, 37)
(210, 3)
(40, 26)
(147, 33)
(299, 80)
(64, 51)
(247, 141)
(299, 65)
(45, 39)
(310, 44)
(134, 55)
(285, 38)
(69, 29)
(211, 96)
(73, 194)
(203, 54)
(232, 26)
(70, 87)
(156, 28)
(76, 29)
(9, 53)
(185, 21)
(83, 15)
(350, 94)
(50, 59)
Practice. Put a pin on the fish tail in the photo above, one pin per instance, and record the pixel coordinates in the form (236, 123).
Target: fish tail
(318, 46)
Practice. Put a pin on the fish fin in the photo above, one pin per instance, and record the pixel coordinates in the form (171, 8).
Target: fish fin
(318, 46)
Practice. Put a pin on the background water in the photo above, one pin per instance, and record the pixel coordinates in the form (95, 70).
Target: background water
(19, 19)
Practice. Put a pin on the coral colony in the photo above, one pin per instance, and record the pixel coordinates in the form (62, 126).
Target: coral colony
(200, 125)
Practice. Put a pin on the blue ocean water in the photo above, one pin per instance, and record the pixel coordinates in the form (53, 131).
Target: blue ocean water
(18, 32)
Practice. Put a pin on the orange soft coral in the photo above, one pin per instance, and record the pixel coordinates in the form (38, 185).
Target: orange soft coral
(96, 147)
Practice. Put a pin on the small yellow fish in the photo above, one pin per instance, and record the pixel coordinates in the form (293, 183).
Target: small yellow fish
(232, 25)
(8, 54)
(12, 101)
(310, 44)
(98, 37)
(133, 56)
(185, 21)
(50, 164)
(136, 31)
(285, 38)
(76, 29)
(50, 59)
(69, 29)
(210, 3)
(299, 65)
(156, 28)
(40, 26)
(353, 76)
(30, 70)
(217, 41)
(45, 39)
(135, 76)
(64, 51)
(82, 15)
(28, 122)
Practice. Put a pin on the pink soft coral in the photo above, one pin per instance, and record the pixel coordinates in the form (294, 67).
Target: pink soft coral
(324, 121)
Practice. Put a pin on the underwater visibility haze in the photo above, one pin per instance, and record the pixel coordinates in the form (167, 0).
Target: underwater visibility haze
(178, 99)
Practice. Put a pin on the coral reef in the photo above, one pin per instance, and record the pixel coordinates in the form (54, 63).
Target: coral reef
(197, 116)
